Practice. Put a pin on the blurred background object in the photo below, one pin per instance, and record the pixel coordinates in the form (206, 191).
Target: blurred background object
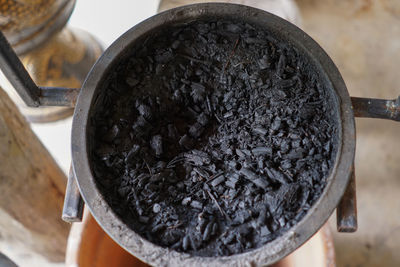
(363, 39)
(53, 54)
(6, 262)
(32, 190)
(286, 9)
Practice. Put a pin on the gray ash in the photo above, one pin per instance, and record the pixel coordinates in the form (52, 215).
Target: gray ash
(213, 138)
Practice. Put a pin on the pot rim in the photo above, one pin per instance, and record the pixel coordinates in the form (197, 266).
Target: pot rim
(278, 248)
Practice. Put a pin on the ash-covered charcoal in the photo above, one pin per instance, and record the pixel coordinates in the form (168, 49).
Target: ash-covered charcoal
(219, 138)
(156, 144)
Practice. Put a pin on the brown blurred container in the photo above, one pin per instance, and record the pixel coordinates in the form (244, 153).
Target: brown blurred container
(90, 246)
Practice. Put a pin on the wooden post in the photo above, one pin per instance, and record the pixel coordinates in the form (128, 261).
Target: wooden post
(32, 188)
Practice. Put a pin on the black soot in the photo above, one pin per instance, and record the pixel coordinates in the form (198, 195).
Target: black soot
(213, 137)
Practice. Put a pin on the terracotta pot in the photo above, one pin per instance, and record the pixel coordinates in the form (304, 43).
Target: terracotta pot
(90, 246)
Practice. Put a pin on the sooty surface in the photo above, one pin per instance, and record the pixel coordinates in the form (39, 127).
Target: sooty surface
(213, 138)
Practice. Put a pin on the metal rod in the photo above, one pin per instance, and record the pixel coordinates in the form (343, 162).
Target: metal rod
(73, 202)
(346, 211)
(17, 75)
(31, 94)
(376, 108)
(58, 96)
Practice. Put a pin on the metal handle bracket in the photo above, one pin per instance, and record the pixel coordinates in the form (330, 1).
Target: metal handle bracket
(376, 108)
(31, 94)
(346, 211)
(73, 202)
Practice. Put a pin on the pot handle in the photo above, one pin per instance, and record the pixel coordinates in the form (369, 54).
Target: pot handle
(376, 108)
(346, 212)
(31, 94)
(73, 202)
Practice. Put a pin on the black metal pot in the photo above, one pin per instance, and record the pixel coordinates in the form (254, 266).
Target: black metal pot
(340, 183)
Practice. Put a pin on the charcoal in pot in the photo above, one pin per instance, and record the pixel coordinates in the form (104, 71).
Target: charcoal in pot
(232, 193)
(186, 243)
(254, 178)
(156, 208)
(240, 153)
(282, 222)
(276, 175)
(112, 133)
(240, 217)
(262, 216)
(229, 238)
(262, 151)
(246, 152)
(196, 130)
(217, 181)
(286, 83)
(280, 68)
(276, 124)
(132, 81)
(203, 119)
(232, 181)
(233, 28)
(286, 164)
(132, 153)
(327, 146)
(296, 153)
(193, 242)
(279, 88)
(264, 63)
(123, 191)
(196, 204)
(228, 114)
(198, 92)
(260, 131)
(144, 110)
(144, 219)
(296, 143)
(201, 172)
(164, 57)
(260, 164)
(141, 122)
(214, 228)
(197, 157)
(186, 200)
(172, 236)
(261, 183)
(104, 152)
(207, 231)
(172, 131)
(176, 44)
(159, 166)
(186, 142)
